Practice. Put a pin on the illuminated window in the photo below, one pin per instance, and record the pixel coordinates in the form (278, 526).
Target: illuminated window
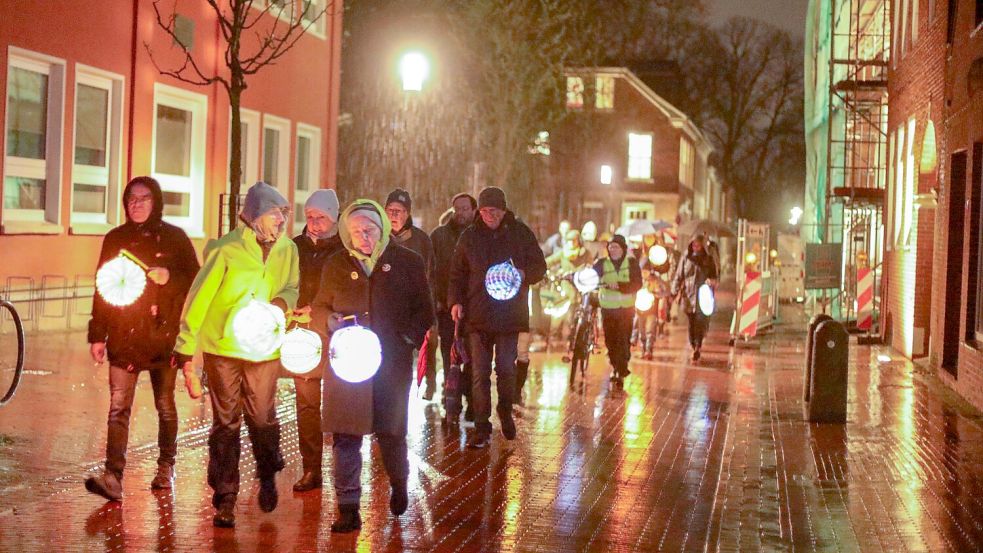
(541, 146)
(640, 156)
(687, 165)
(604, 92)
(575, 92)
(95, 171)
(179, 154)
(606, 174)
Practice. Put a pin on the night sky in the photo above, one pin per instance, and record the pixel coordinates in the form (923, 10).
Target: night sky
(787, 14)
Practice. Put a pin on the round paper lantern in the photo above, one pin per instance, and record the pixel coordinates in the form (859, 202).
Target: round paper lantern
(706, 300)
(558, 310)
(503, 281)
(355, 353)
(658, 255)
(644, 300)
(120, 281)
(586, 280)
(301, 351)
(259, 328)
(589, 232)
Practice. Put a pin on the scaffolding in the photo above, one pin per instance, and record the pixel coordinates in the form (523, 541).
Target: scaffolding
(857, 156)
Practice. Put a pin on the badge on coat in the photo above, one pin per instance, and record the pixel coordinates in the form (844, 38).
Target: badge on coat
(386, 268)
(354, 275)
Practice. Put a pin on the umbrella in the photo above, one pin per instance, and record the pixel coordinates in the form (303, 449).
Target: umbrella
(421, 360)
(642, 227)
(704, 226)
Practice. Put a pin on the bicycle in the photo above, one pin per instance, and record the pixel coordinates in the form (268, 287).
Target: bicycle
(583, 338)
(19, 367)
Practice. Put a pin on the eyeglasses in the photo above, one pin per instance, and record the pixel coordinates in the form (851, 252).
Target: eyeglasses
(134, 200)
(394, 211)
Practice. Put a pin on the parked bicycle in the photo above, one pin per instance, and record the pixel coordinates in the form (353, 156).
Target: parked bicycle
(18, 368)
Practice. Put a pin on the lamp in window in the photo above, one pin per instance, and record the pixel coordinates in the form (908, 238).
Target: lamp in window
(606, 174)
(414, 68)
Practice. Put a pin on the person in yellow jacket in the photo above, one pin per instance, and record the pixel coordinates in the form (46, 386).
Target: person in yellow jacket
(621, 278)
(253, 262)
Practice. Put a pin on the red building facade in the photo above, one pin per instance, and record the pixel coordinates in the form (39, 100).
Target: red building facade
(86, 109)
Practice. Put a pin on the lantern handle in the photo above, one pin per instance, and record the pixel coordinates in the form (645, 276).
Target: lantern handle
(127, 254)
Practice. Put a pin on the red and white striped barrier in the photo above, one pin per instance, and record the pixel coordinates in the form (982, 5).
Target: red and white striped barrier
(750, 301)
(865, 299)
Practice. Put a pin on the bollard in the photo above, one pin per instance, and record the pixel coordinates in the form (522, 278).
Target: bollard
(810, 341)
(828, 386)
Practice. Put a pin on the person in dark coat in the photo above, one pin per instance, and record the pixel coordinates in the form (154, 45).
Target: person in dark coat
(695, 268)
(444, 239)
(140, 336)
(318, 241)
(493, 326)
(621, 279)
(384, 286)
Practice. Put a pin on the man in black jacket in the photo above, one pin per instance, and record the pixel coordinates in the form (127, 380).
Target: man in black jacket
(444, 239)
(493, 325)
(140, 336)
(318, 241)
(399, 209)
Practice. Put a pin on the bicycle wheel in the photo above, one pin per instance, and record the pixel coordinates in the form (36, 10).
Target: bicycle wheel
(10, 344)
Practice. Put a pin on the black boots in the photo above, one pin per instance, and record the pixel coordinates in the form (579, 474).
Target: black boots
(521, 374)
(268, 496)
(348, 520)
(508, 424)
(399, 499)
(226, 515)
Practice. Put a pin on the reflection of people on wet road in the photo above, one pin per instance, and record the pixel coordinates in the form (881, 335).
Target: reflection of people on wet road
(140, 336)
(695, 268)
(253, 262)
(621, 278)
(384, 286)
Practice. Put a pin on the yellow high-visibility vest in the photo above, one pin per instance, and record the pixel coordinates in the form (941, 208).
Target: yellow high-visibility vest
(615, 299)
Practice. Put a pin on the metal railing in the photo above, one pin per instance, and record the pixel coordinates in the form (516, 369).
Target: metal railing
(40, 304)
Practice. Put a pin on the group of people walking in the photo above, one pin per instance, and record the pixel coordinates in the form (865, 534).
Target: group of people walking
(367, 264)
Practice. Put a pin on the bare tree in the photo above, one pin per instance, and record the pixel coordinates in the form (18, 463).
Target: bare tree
(240, 23)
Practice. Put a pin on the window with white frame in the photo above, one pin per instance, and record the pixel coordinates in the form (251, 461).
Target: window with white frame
(314, 16)
(640, 156)
(97, 141)
(604, 92)
(307, 177)
(276, 152)
(32, 156)
(249, 158)
(687, 163)
(178, 160)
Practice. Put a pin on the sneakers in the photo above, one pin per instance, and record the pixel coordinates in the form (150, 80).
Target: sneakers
(348, 520)
(106, 485)
(508, 423)
(268, 496)
(164, 479)
(478, 440)
(308, 482)
(399, 499)
(226, 515)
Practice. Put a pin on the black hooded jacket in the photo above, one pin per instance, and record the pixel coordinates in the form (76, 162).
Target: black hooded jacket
(142, 334)
(413, 238)
(312, 257)
(480, 247)
(444, 240)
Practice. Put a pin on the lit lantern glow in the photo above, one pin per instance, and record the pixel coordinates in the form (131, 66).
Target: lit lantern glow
(644, 300)
(414, 68)
(658, 255)
(589, 232)
(259, 328)
(586, 280)
(355, 353)
(503, 281)
(751, 258)
(301, 351)
(559, 310)
(121, 281)
(705, 297)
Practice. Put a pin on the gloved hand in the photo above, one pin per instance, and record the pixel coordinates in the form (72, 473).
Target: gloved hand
(335, 322)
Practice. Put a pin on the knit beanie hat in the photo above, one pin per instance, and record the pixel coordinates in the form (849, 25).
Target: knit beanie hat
(369, 213)
(620, 240)
(400, 196)
(492, 196)
(324, 200)
(260, 199)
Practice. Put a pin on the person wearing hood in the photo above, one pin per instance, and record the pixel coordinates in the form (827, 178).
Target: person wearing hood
(694, 269)
(493, 325)
(139, 337)
(315, 244)
(381, 285)
(444, 239)
(254, 262)
(621, 278)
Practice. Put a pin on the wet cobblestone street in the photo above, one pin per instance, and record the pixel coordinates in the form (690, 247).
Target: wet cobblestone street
(708, 457)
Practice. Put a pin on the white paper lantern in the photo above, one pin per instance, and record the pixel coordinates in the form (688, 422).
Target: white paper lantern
(120, 281)
(355, 353)
(503, 281)
(586, 280)
(644, 300)
(658, 255)
(259, 328)
(706, 300)
(301, 351)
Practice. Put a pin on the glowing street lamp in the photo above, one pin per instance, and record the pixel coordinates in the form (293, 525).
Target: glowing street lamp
(606, 174)
(414, 68)
(796, 215)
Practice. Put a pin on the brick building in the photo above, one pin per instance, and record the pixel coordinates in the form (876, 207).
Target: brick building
(627, 153)
(85, 109)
